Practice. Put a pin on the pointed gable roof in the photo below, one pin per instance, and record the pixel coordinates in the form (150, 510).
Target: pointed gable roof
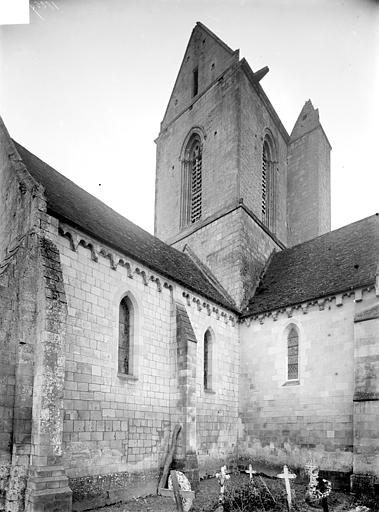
(211, 56)
(307, 121)
(337, 262)
(73, 205)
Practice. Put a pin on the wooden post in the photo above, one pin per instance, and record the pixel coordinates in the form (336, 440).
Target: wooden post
(169, 457)
(287, 477)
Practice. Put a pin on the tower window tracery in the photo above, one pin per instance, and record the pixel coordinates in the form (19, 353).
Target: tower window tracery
(192, 182)
(268, 186)
(196, 182)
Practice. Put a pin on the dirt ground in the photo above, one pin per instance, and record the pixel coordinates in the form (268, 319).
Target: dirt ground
(207, 498)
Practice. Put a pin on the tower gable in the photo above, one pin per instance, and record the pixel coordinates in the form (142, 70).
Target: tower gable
(308, 185)
(205, 59)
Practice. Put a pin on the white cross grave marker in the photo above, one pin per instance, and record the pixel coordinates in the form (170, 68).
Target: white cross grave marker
(250, 472)
(287, 477)
(222, 478)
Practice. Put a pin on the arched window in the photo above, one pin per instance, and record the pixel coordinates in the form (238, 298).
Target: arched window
(125, 337)
(292, 354)
(208, 346)
(268, 183)
(192, 181)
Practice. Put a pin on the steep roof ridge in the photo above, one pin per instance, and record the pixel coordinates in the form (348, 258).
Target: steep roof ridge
(157, 253)
(233, 66)
(307, 121)
(216, 38)
(329, 265)
(208, 273)
(219, 41)
(257, 86)
(260, 277)
(325, 235)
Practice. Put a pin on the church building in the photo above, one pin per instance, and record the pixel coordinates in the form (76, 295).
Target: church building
(244, 320)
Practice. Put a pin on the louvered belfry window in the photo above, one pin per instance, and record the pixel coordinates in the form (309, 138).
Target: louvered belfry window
(293, 354)
(265, 163)
(196, 182)
(191, 208)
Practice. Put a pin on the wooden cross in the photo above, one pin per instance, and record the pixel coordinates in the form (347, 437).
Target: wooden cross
(250, 472)
(287, 477)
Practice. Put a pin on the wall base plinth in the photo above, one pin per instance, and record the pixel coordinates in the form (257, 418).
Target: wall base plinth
(364, 484)
(48, 490)
(191, 469)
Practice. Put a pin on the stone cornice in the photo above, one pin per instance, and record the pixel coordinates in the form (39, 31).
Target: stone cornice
(133, 269)
(321, 303)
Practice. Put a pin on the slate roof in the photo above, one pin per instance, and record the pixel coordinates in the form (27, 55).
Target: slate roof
(341, 260)
(70, 203)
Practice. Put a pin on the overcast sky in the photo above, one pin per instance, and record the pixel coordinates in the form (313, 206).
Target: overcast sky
(85, 85)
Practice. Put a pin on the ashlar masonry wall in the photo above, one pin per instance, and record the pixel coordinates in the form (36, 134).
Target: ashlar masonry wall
(312, 418)
(116, 427)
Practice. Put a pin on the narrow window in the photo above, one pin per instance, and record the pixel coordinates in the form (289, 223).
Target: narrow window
(124, 338)
(207, 360)
(192, 182)
(293, 354)
(195, 81)
(196, 182)
(268, 193)
(265, 165)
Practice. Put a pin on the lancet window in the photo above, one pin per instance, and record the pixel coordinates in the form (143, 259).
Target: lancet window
(125, 335)
(208, 360)
(268, 184)
(293, 354)
(192, 182)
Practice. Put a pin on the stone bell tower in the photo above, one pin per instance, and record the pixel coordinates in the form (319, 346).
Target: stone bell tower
(221, 175)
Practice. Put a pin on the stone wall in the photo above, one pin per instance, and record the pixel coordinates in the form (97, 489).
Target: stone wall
(215, 115)
(308, 200)
(211, 57)
(7, 387)
(117, 426)
(255, 122)
(21, 200)
(20, 197)
(236, 248)
(366, 397)
(292, 422)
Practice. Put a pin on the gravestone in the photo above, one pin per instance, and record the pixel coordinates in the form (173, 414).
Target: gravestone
(222, 477)
(318, 488)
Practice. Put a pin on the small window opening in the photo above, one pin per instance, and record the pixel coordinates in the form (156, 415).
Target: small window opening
(293, 355)
(268, 191)
(192, 182)
(124, 339)
(196, 183)
(207, 360)
(195, 81)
